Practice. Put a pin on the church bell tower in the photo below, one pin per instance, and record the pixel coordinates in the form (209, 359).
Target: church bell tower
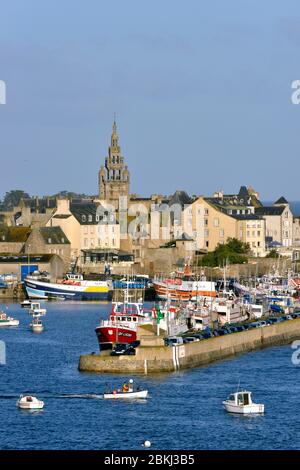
(114, 178)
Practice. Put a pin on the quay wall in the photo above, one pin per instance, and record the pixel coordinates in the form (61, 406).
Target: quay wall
(157, 359)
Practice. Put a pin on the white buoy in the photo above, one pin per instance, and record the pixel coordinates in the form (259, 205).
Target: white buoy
(147, 444)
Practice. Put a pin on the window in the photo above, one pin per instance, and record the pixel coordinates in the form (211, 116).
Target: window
(248, 233)
(90, 218)
(83, 218)
(206, 211)
(85, 242)
(216, 222)
(253, 233)
(85, 230)
(221, 233)
(207, 244)
(92, 229)
(253, 244)
(205, 221)
(258, 233)
(206, 233)
(49, 241)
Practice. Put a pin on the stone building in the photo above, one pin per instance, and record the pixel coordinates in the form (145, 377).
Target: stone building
(13, 239)
(279, 222)
(114, 178)
(91, 229)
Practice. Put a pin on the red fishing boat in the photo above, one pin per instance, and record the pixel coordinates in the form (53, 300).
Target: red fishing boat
(122, 325)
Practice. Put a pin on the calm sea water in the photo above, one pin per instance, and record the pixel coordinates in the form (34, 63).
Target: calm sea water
(184, 410)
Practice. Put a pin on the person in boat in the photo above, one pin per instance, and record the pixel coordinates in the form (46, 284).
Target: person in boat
(130, 387)
(125, 387)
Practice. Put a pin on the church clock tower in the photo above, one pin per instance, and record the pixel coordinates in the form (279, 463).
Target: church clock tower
(114, 175)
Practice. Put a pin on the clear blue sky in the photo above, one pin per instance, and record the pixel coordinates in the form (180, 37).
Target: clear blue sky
(202, 92)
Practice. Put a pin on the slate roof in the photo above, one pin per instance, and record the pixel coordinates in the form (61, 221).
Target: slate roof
(14, 234)
(20, 258)
(281, 200)
(269, 210)
(86, 213)
(54, 236)
(179, 197)
(247, 216)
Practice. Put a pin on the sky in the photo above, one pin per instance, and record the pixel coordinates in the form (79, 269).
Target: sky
(201, 91)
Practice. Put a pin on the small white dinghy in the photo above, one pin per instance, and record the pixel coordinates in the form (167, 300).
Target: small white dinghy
(241, 403)
(26, 304)
(29, 402)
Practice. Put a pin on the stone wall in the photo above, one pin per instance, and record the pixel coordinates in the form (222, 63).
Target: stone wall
(167, 359)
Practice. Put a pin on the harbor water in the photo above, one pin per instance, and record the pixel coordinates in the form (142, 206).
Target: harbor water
(184, 409)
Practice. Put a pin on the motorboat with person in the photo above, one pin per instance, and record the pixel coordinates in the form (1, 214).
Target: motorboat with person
(28, 402)
(241, 403)
(127, 391)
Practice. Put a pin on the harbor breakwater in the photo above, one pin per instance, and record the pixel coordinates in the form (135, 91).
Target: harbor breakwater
(153, 357)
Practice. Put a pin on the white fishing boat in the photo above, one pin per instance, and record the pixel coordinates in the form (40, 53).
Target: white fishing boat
(26, 304)
(36, 325)
(126, 395)
(7, 321)
(127, 392)
(35, 309)
(241, 403)
(29, 402)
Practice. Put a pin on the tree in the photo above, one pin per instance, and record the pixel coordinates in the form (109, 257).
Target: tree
(272, 254)
(13, 198)
(233, 252)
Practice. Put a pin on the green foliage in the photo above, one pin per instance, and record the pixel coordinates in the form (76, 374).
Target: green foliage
(233, 252)
(13, 198)
(272, 254)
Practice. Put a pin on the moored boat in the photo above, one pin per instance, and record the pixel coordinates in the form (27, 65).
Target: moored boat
(5, 320)
(36, 325)
(26, 304)
(241, 403)
(122, 324)
(73, 287)
(29, 402)
(184, 286)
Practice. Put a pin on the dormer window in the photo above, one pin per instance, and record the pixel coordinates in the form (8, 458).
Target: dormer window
(90, 218)
(83, 218)
(49, 240)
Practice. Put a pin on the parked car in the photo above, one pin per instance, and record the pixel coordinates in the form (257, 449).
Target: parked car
(198, 336)
(215, 333)
(173, 340)
(190, 339)
(123, 348)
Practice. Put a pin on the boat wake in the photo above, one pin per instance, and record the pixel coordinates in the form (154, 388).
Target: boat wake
(47, 395)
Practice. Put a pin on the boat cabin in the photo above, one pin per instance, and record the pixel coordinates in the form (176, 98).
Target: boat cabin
(241, 398)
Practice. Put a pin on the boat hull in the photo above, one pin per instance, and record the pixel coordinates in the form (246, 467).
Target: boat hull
(4, 324)
(184, 291)
(107, 335)
(33, 405)
(44, 290)
(254, 408)
(126, 395)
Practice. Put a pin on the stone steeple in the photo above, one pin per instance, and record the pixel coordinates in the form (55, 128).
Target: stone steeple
(114, 178)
